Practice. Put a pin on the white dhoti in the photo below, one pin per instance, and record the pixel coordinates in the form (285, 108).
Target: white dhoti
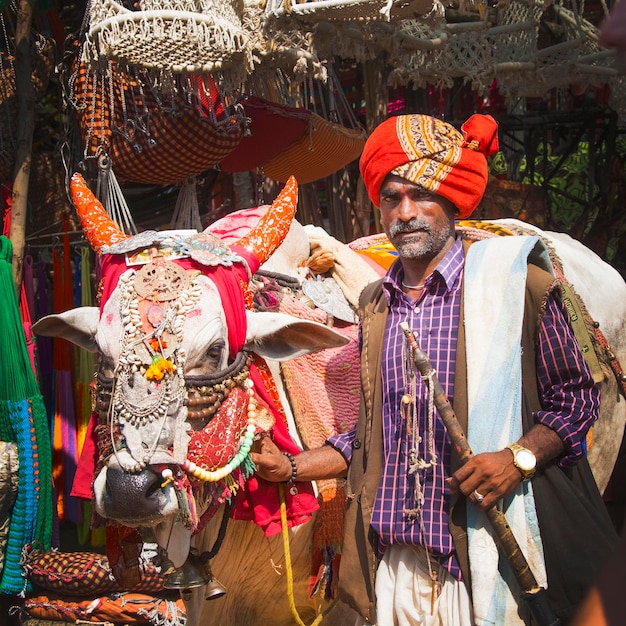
(404, 592)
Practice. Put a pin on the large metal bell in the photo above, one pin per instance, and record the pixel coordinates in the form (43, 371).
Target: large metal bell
(195, 572)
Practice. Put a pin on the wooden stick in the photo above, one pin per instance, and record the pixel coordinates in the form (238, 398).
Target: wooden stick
(534, 594)
(25, 98)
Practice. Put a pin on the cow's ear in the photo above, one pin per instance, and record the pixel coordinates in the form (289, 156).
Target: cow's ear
(76, 325)
(282, 337)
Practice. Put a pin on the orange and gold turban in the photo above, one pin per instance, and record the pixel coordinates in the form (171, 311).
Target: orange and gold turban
(432, 154)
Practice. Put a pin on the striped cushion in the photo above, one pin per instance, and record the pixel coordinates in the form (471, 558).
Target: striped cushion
(81, 574)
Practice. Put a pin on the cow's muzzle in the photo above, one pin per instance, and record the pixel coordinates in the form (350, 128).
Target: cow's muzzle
(134, 499)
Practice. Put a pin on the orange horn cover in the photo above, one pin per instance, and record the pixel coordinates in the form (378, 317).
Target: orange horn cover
(272, 228)
(100, 230)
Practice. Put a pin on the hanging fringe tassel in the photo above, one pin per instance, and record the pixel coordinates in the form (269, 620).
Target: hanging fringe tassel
(187, 212)
(164, 613)
(109, 192)
(187, 511)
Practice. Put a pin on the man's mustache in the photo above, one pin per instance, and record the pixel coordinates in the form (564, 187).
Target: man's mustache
(411, 226)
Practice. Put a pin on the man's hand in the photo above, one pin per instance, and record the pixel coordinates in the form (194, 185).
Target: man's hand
(271, 463)
(491, 475)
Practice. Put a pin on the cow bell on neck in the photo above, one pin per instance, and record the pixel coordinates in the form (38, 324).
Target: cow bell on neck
(195, 572)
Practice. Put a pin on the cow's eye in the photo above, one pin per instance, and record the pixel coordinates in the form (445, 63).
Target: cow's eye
(214, 353)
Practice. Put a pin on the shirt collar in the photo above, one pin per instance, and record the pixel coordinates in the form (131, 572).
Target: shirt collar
(446, 273)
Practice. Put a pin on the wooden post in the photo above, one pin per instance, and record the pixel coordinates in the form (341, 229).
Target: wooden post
(25, 98)
(376, 96)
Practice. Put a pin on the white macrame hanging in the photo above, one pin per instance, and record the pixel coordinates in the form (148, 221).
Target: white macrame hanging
(187, 212)
(109, 192)
(350, 10)
(177, 36)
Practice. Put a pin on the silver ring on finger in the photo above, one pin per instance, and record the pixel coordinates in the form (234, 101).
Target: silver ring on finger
(478, 496)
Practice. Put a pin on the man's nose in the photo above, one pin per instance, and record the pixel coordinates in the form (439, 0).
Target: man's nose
(408, 208)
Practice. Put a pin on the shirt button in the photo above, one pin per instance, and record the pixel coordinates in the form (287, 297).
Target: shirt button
(356, 444)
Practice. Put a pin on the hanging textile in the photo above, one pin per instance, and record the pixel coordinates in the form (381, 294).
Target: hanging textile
(271, 128)
(22, 421)
(333, 137)
(45, 345)
(86, 361)
(65, 452)
(85, 374)
(350, 10)
(326, 148)
(154, 132)
(168, 35)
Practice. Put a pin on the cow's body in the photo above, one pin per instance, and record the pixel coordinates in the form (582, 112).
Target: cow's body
(135, 485)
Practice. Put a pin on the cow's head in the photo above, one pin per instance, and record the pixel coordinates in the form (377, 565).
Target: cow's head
(177, 390)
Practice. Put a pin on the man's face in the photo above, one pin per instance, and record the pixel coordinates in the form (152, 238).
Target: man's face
(417, 222)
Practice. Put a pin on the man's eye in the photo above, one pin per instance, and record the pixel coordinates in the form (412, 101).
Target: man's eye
(390, 200)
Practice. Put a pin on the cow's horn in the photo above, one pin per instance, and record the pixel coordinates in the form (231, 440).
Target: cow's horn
(100, 230)
(272, 228)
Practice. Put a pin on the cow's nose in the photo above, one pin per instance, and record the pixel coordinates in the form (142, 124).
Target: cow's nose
(131, 495)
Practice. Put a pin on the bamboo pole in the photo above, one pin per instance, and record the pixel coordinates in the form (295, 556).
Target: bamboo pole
(25, 97)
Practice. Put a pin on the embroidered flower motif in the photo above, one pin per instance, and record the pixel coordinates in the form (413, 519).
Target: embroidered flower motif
(159, 368)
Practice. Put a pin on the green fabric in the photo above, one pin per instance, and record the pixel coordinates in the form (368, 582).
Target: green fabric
(18, 380)
(22, 421)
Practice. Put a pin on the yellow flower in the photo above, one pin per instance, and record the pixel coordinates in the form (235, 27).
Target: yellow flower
(159, 368)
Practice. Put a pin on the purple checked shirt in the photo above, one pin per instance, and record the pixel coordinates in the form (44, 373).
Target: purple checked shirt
(570, 402)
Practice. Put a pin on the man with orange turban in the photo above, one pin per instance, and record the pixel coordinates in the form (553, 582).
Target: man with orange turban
(418, 549)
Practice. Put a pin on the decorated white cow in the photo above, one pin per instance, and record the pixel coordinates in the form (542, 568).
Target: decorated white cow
(182, 394)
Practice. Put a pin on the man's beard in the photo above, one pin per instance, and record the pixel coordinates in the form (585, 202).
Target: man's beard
(426, 246)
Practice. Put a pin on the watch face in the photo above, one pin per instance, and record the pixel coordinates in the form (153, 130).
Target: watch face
(525, 459)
